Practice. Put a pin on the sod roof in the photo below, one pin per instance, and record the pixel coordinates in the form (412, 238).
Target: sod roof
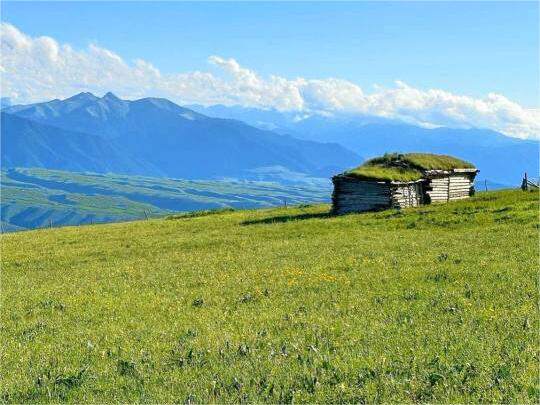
(405, 167)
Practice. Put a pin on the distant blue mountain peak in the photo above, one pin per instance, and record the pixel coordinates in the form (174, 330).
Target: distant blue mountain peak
(82, 97)
(154, 136)
(110, 96)
(5, 102)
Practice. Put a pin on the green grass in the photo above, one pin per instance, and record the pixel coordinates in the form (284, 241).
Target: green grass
(36, 198)
(381, 173)
(203, 213)
(405, 167)
(422, 161)
(432, 304)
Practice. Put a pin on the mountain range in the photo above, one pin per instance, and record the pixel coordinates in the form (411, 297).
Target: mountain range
(155, 137)
(502, 160)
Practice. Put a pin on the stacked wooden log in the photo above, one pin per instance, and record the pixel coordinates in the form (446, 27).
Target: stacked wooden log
(451, 186)
(406, 194)
(437, 189)
(461, 186)
(354, 195)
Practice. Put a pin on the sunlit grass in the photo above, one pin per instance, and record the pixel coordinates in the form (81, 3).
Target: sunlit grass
(432, 304)
(381, 173)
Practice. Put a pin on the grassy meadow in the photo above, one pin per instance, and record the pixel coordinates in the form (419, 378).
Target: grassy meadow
(38, 198)
(431, 304)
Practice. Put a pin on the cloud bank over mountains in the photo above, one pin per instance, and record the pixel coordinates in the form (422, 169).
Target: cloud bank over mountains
(40, 68)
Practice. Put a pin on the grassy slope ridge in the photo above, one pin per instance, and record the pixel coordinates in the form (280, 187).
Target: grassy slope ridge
(432, 304)
(33, 197)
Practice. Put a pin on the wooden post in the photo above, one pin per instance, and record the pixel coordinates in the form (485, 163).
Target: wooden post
(485, 184)
(524, 184)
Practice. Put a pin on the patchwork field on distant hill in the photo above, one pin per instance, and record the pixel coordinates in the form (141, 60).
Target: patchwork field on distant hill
(35, 198)
(434, 304)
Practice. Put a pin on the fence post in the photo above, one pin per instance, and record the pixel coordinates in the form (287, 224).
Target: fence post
(485, 184)
(524, 184)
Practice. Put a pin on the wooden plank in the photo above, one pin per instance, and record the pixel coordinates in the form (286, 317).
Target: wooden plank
(466, 170)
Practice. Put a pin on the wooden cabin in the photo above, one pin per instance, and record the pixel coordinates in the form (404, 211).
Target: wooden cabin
(402, 180)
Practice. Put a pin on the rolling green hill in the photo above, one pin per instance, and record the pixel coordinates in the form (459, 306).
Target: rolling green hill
(36, 198)
(433, 304)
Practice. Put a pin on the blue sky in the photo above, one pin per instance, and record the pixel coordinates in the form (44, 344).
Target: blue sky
(466, 48)
(458, 64)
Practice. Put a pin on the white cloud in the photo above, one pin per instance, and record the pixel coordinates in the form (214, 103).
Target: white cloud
(37, 69)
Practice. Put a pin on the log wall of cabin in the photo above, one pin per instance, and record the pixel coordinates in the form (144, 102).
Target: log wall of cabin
(450, 187)
(353, 195)
(407, 195)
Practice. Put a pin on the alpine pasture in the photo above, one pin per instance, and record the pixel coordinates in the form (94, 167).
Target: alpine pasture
(437, 303)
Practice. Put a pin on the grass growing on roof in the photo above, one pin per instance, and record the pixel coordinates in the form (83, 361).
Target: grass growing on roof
(405, 167)
(422, 161)
(381, 173)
